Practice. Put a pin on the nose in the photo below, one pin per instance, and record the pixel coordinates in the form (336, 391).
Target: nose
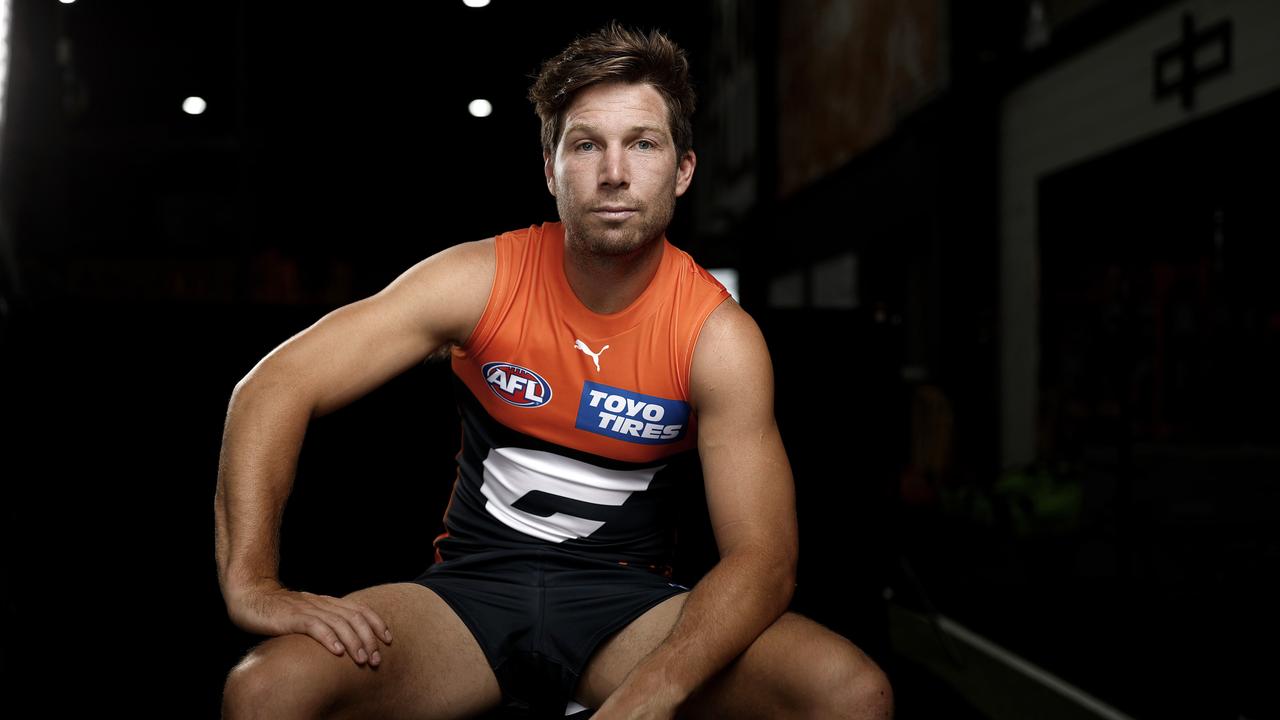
(614, 171)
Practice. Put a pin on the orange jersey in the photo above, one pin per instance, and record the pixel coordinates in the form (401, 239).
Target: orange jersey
(576, 425)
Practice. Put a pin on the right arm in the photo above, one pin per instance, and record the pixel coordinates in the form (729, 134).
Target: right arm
(340, 358)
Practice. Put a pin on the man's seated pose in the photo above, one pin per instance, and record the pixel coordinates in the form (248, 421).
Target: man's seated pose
(594, 364)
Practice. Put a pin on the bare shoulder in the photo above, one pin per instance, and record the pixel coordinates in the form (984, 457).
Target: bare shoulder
(728, 323)
(730, 351)
(449, 289)
(359, 346)
(474, 256)
(461, 264)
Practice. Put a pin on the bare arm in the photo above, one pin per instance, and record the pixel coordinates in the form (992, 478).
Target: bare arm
(340, 358)
(751, 501)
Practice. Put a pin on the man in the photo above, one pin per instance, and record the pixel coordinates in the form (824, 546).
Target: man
(592, 359)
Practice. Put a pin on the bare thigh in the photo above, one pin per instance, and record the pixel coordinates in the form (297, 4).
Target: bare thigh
(433, 668)
(795, 668)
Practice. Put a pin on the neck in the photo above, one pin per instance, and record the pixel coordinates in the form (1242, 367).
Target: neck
(609, 283)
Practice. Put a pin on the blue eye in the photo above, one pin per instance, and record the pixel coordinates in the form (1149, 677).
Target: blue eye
(648, 145)
(583, 145)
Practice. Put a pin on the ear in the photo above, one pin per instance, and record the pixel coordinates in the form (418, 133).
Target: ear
(684, 171)
(549, 169)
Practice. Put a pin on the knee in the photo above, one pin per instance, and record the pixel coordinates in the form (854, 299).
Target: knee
(264, 684)
(869, 694)
(247, 692)
(854, 688)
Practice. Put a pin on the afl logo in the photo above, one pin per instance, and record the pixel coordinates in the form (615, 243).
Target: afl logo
(516, 385)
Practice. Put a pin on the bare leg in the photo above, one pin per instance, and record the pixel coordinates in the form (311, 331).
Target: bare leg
(433, 668)
(796, 668)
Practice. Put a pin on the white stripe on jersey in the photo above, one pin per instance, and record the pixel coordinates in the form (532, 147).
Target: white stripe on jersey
(511, 473)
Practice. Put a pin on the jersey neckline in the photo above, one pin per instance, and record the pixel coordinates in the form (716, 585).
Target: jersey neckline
(598, 325)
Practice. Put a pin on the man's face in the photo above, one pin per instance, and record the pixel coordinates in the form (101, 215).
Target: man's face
(614, 172)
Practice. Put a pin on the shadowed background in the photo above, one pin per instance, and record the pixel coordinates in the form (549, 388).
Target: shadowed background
(1012, 262)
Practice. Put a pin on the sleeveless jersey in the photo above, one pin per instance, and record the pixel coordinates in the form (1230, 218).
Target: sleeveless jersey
(576, 426)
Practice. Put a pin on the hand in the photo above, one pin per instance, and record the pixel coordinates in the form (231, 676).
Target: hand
(339, 625)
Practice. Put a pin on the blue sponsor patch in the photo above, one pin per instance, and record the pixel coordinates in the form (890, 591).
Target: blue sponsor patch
(516, 385)
(631, 416)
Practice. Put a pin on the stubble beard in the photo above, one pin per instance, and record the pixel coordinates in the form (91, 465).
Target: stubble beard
(592, 236)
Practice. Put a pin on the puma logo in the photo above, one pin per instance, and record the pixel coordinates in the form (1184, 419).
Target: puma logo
(595, 356)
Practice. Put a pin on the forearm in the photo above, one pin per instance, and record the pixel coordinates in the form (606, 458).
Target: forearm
(263, 435)
(726, 611)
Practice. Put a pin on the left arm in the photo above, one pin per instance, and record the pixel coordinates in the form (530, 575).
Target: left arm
(751, 502)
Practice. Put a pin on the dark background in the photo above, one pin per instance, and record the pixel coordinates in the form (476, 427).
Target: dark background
(151, 258)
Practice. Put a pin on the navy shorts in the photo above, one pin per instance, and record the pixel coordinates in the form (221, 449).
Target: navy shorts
(539, 614)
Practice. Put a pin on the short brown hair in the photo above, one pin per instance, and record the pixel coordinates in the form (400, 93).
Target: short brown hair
(616, 54)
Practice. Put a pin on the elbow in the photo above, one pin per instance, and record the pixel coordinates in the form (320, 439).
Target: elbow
(781, 580)
(787, 584)
(255, 377)
(242, 387)
(787, 566)
(246, 387)
(261, 376)
(770, 568)
(275, 384)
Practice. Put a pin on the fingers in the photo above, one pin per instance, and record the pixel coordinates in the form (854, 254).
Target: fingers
(363, 645)
(314, 625)
(378, 627)
(345, 627)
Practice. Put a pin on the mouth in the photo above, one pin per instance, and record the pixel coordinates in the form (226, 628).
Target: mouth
(614, 213)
